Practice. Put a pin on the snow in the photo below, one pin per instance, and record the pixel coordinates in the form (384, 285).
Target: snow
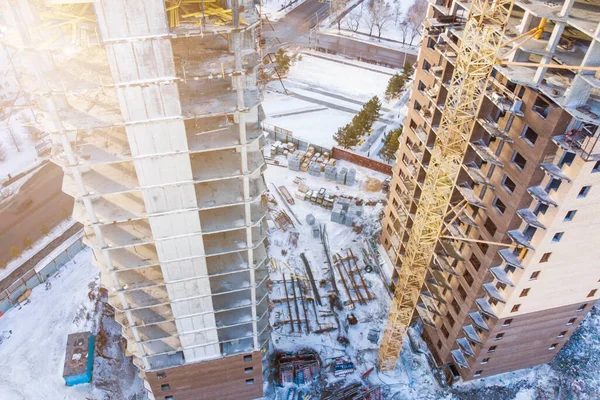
(391, 33)
(341, 237)
(277, 9)
(17, 145)
(36, 247)
(32, 356)
(573, 374)
(325, 94)
(275, 105)
(303, 124)
(350, 80)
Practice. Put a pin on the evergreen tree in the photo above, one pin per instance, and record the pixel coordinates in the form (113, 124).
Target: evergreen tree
(407, 70)
(395, 87)
(391, 144)
(361, 124)
(283, 62)
(373, 109)
(348, 136)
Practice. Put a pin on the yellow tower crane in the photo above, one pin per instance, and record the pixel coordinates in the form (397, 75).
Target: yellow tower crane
(481, 41)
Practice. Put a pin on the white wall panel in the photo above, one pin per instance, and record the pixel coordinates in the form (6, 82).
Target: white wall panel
(190, 288)
(163, 170)
(158, 137)
(169, 198)
(175, 224)
(177, 248)
(192, 306)
(153, 101)
(201, 353)
(184, 269)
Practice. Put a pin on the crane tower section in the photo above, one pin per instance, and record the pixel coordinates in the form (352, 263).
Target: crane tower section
(481, 41)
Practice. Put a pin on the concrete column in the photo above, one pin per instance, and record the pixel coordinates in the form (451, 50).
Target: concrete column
(550, 48)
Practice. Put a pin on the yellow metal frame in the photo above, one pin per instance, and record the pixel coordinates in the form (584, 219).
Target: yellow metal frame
(191, 12)
(479, 47)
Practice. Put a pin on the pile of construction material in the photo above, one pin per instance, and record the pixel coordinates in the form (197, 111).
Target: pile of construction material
(319, 197)
(310, 157)
(282, 148)
(355, 392)
(299, 368)
(316, 164)
(346, 176)
(346, 212)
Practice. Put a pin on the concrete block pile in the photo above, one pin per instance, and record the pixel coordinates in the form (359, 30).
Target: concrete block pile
(314, 169)
(294, 162)
(282, 148)
(341, 176)
(351, 177)
(331, 172)
(306, 159)
(346, 212)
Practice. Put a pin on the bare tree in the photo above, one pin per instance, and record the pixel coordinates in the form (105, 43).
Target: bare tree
(2, 152)
(353, 19)
(368, 17)
(338, 7)
(414, 19)
(16, 140)
(403, 29)
(397, 11)
(379, 14)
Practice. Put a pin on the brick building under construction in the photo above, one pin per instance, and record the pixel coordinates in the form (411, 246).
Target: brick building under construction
(530, 179)
(153, 109)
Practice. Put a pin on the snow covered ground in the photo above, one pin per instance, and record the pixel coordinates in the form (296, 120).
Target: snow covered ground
(325, 92)
(35, 335)
(276, 9)
(17, 147)
(352, 79)
(341, 237)
(575, 373)
(395, 32)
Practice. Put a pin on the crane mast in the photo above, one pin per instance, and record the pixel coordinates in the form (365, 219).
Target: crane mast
(482, 38)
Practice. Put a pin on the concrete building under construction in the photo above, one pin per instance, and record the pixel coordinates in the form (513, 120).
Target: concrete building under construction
(153, 110)
(530, 180)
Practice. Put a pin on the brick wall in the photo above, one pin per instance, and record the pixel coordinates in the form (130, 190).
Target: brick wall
(340, 154)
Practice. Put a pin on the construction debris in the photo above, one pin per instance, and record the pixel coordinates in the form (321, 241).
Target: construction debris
(310, 219)
(373, 185)
(373, 335)
(283, 220)
(289, 210)
(343, 367)
(286, 195)
(356, 392)
(299, 368)
(348, 268)
(311, 279)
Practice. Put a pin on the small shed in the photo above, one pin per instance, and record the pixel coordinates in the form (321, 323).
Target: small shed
(79, 358)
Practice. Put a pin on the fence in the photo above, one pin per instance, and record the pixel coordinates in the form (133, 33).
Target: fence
(276, 133)
(340, 154)
(42, 271)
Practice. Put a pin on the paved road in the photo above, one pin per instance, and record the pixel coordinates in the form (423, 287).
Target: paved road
(295, 29)
(39, 201)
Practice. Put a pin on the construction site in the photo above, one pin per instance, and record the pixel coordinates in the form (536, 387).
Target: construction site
(242, 260)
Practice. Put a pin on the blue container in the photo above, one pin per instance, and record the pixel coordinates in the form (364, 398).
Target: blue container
(79, 358)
